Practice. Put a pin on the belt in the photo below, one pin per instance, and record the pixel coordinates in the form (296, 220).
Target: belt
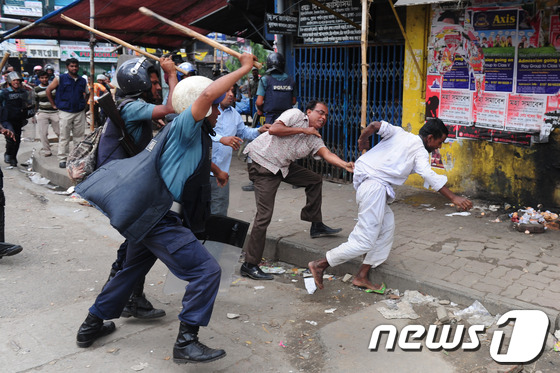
(177, 207)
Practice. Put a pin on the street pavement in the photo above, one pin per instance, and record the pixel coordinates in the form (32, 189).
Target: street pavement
(461, 258)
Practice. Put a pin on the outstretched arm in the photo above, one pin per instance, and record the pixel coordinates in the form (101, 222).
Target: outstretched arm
(461, 202)
(217, 88)
(333, 159)
(279, 129)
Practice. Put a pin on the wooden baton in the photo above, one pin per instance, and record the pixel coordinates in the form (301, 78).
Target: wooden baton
(4, 60)
(195, 35)
(116, 40)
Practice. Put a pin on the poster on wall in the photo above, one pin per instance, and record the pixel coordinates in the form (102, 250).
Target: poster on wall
(494, 70)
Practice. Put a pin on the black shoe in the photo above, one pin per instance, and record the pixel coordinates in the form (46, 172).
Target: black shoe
(249, 187)
(254, 271)
(93, 328)
(8, 249)
(188, 349)
(13, 162)
(319, 229)
(141, 308)
(62, 164)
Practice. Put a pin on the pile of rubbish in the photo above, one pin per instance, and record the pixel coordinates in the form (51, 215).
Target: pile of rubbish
(529, 220)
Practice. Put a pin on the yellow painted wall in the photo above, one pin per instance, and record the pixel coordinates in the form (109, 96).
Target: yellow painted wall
(477, 168)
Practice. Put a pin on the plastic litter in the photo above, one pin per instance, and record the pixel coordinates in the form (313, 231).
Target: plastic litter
(36, 178)
(347, 277)
(310, 285)
(273, 270)
(260, 287)
(463, 213)
(232, 315)
(330, 310)
(416, 297)
(477, 314)
(401, 310)
(311, 322)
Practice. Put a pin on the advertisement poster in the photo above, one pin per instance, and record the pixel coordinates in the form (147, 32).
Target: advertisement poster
(489, 110)
(455, 107)
(525, 113)
(494, 70)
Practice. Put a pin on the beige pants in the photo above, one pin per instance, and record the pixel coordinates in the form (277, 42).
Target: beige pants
(72, 125)
(44, 118)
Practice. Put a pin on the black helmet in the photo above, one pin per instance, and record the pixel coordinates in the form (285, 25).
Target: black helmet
(275, 61)
(133, 77)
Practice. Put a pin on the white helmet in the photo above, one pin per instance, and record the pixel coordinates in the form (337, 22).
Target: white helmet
(187, 91)
(12, 76)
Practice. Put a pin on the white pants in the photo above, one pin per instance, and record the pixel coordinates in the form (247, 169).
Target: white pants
(71, 125)
(373, 234)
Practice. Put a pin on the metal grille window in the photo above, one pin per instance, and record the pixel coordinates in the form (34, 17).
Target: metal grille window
(332, 74)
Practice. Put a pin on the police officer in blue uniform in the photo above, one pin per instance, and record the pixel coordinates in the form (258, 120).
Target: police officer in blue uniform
(14, 102)
(139, 88)
(158, 207)
(277, 90)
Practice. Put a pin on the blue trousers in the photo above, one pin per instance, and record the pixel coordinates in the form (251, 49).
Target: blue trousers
(178, 248)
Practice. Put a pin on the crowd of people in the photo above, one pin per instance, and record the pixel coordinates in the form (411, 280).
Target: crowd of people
(185, 171)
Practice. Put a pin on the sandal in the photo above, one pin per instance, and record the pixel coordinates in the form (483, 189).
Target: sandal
(378, 291)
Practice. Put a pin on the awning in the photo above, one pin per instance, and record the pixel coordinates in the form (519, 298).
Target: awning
(421, 2)
(242, 18)
(122, 19)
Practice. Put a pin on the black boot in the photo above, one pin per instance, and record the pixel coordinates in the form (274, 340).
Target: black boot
(141, 308)
(188, 349)
(138, 306)
(93, 328)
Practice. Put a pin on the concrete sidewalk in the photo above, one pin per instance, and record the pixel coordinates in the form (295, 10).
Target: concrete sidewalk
(459, 258)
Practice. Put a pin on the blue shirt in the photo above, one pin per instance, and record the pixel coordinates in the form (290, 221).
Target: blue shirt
(181, 153)
(229, 123)
(134, 114)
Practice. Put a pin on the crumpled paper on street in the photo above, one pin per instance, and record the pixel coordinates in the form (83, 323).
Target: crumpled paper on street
(400, 310)
(416, 297)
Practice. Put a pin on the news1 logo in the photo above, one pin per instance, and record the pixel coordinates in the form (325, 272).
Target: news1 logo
(527, 340)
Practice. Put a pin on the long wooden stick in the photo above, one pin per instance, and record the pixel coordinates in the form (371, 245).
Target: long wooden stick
(194, 34)
(4, 60)
(116, 40)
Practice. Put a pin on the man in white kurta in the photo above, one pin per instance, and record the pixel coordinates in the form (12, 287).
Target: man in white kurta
(389, 163)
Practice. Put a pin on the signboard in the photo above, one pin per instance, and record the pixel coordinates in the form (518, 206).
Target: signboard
(82, 53)
(316, 25)
(43, 51)
(281, 24)
(23, 8)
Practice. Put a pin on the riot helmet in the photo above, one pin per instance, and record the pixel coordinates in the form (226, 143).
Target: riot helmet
(133, 76)
(12, 76)
(49, 67)
(275, 61)
(188, 67)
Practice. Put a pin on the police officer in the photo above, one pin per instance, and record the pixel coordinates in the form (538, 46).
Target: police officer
(14, 102)
(139, 89)
(277, 90)
(167, 200)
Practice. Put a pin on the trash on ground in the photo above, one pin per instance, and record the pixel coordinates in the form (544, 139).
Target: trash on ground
(258, 287)
(330, 310)
(400, 310)
(310, 285)
(430, 209)
(477, 314)
(442, 315)
(36, 178)
(347, 277)
(67, 192)
(77, 199)
(232, 315)
(415, 297)
(463, 213)
(281, 344)
(493, 208)
(273, 270)
(557, 347)
(534, 221)
(311, 322)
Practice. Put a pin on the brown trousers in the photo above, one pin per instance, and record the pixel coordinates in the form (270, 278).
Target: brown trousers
(266, 184)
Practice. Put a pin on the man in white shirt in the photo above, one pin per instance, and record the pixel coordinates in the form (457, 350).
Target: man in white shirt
(230, 132)
(389, 163)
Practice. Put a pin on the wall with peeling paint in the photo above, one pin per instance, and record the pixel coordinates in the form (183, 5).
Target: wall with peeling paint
(480, 169)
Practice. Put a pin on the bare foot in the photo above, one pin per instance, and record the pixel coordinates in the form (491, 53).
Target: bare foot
(317, 268)
(365, 283)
